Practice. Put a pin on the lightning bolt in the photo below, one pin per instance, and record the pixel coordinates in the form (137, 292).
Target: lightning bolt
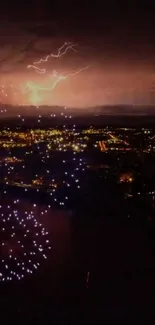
(34, 89)
(41, 71)
(60, 52)
(59, 77)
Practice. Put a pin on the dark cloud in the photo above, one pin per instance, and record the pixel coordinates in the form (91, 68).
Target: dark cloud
(18, 45)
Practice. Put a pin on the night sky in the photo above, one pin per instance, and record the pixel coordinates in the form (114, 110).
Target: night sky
(115, 44)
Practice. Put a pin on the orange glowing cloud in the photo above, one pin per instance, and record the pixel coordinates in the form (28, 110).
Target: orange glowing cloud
(110, 81)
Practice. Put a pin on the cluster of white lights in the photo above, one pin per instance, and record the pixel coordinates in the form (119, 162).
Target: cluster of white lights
(24, 242)
(70, 179)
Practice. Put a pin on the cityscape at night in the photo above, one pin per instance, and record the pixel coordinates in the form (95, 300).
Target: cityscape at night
(77, 162)
(62, 163)
(68, 189)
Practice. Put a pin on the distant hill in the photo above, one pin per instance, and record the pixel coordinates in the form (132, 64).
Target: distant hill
(129, 110)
